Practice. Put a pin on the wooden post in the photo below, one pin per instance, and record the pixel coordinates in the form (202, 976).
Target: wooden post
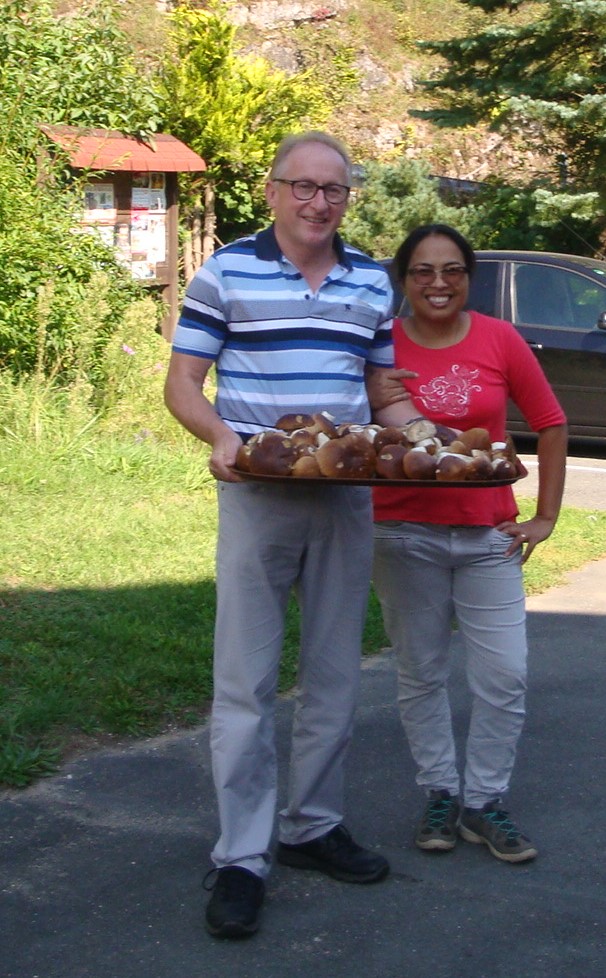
(210, 220)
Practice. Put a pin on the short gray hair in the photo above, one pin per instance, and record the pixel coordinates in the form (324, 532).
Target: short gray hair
(289, 143)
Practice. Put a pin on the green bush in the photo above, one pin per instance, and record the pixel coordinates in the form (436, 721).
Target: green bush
(395, 198)
(76, 69)
(53, 278)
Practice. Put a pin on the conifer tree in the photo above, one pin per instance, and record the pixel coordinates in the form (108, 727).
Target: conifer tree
(537, 67)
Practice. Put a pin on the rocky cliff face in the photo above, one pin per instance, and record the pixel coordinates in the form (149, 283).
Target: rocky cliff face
(368, 47)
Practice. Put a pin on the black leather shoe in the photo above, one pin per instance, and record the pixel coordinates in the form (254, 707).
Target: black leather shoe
(336, 854)
(233, 909)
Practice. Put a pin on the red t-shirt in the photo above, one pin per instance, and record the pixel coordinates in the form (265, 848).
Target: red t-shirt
(467, 386)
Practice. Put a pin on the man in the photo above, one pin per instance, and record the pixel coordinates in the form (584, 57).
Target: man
(295, 322)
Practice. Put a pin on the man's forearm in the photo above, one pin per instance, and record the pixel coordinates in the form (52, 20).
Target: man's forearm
(389, 400)
(396, 414)
(193, 410)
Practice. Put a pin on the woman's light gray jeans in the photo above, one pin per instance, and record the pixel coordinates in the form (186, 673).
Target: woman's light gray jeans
(426, 575)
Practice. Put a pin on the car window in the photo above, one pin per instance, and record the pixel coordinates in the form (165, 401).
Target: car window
(549, 295)
(588, 300)
(483, 288)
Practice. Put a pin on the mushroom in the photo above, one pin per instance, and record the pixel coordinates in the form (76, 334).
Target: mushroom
(243, 457)
(389, 461)
(445, 434)
(303, 438)
(419, 464)
(431, 445)
(306, 467)
(459, 447)
(322, 423)
(391, 435)
(291, 422)
(502, 468)
(349, 429)
(350, 457)
(475, 438)
(452, 468)
(505, 449)
(420, 428)
(480, 469)
(273, 454)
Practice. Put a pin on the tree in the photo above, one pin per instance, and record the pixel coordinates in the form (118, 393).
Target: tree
(73, 69)
(540, 67)
(395, 198)
(232, 110)
(77, 69)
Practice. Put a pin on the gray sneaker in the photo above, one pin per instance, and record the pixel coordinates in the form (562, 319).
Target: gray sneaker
(438, 826)
(492, 827)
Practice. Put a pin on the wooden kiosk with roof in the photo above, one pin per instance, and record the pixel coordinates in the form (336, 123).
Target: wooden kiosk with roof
(131, 200)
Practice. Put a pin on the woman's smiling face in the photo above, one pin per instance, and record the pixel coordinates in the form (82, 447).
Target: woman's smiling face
(437, 283)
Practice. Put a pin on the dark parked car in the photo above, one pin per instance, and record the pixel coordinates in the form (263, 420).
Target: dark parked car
(558, 304)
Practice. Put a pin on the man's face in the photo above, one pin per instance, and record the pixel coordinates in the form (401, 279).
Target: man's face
(307, 224)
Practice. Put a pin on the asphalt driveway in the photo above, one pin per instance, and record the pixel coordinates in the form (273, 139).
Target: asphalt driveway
(102, 864)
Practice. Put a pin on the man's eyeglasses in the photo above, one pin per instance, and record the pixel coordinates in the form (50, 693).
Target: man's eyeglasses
(334, 193)
(426, 274)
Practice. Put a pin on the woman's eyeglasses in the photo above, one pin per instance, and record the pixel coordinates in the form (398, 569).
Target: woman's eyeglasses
(426, 274)
(334, 193)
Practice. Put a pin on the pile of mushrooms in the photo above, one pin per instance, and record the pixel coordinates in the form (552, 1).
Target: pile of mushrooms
(311, 446)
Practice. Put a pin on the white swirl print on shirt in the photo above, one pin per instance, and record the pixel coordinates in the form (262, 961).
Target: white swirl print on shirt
(451, 392)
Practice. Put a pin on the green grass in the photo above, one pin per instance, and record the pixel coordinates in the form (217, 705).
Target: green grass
(107, 592)
(107, 597)
(577, 539)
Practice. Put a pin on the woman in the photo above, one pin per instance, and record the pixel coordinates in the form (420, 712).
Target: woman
(457, 553)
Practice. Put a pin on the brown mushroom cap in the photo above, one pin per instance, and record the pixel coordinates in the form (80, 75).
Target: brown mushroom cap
(505, 449)
(504, 469)
(510, 449)
(322, 424)
(390, 461)
(476, 438)
(349, 428)
(243, 457)
(419, 464)
(350, 457)
(480, 467)
(272, 454)
(301, 450)
(457, 447)
(368, 431)
(452, 468)
(303, 438)
(306, 467)
(390, 435)
(290, 422)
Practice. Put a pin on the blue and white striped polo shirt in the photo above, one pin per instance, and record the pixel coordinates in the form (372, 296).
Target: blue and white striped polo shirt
(279, 348)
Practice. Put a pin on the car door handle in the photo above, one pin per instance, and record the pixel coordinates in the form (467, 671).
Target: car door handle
(534, 346)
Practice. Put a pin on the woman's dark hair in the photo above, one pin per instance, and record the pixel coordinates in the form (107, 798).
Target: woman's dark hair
(403, 255)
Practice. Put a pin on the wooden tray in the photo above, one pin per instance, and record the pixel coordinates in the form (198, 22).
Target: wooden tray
(375, 481)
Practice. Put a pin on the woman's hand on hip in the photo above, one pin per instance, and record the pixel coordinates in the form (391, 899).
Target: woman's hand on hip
(526, 535)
